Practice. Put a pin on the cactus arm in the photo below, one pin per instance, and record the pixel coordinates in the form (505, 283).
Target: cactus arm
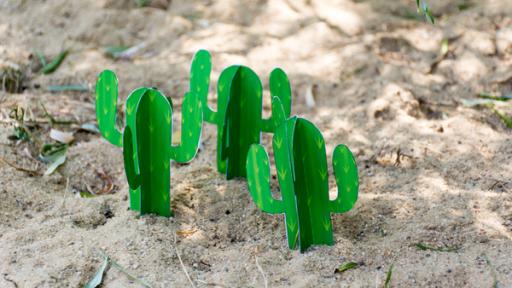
(129, 161)
(345, 171)
(278, 114)
(153, 126)
(106, 107)
(279, 87)
(258, 179)
(130, 106)
(191, 125)
(199, 82)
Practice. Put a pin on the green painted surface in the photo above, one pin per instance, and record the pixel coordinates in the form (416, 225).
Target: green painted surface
(222, 103)
(191, 125)
(130, 159)
(301, 165)
(239, 116)
(200, 81)
(279, 87)
(242, 124)
(106, 110)
(153, 123)
(106, 106)
(311, 185)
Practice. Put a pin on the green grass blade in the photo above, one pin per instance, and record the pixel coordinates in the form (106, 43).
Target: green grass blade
(141, 3)
(114, 51)
(506, 119)
(98, 277)
(423, 9)
(41, 58)
(55, 155)
(346, 266)
(388, 277)
(485, 95)
(55, 63)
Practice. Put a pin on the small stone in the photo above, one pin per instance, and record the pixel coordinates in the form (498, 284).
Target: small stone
(504, 40)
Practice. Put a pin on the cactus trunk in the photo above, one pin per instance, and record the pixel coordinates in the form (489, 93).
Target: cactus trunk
(240, 130)
(153, 122)
(311, 186)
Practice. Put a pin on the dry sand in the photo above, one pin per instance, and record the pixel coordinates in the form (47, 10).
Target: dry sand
(431, 170)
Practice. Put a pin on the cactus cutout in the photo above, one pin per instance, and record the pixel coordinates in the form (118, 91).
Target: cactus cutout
(301, 165)
(239, 116)
(106, 107)
(153, 126)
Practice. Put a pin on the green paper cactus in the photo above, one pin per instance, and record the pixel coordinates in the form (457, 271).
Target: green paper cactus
(106, 107)
(239, 116)
(301, 164)
(153, 152)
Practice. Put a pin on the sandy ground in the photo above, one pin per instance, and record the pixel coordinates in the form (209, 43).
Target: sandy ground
(431, 170)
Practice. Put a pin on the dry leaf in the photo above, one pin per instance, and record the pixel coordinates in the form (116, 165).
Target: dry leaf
(309, 97)
(62, 137)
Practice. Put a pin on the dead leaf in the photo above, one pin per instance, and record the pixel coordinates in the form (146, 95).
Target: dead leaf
(61, 136)
(309, 96)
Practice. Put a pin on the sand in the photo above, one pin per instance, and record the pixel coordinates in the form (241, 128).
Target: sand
(431, 170)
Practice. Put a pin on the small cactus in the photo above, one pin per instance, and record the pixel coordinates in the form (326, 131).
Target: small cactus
(239, 116)
(301, 165)
(153, 152)
(106, 107)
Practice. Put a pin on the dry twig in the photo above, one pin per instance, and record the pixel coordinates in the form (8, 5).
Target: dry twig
(261, 271)
(181, 262)
(19, 168)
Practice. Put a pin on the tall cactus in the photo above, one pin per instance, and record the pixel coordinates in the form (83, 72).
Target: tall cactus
(301, 165)
(153, 152)
(106, 108)
(239, 116)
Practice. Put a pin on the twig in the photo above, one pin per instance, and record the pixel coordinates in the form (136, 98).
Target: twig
(10, 281)
(52, 120)
(493, 272)
(500, 183)
(33, 172)
(32, 122)
(211, 283)
(261, 271)
(424, 247)
(63, 205)
(181, 262)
